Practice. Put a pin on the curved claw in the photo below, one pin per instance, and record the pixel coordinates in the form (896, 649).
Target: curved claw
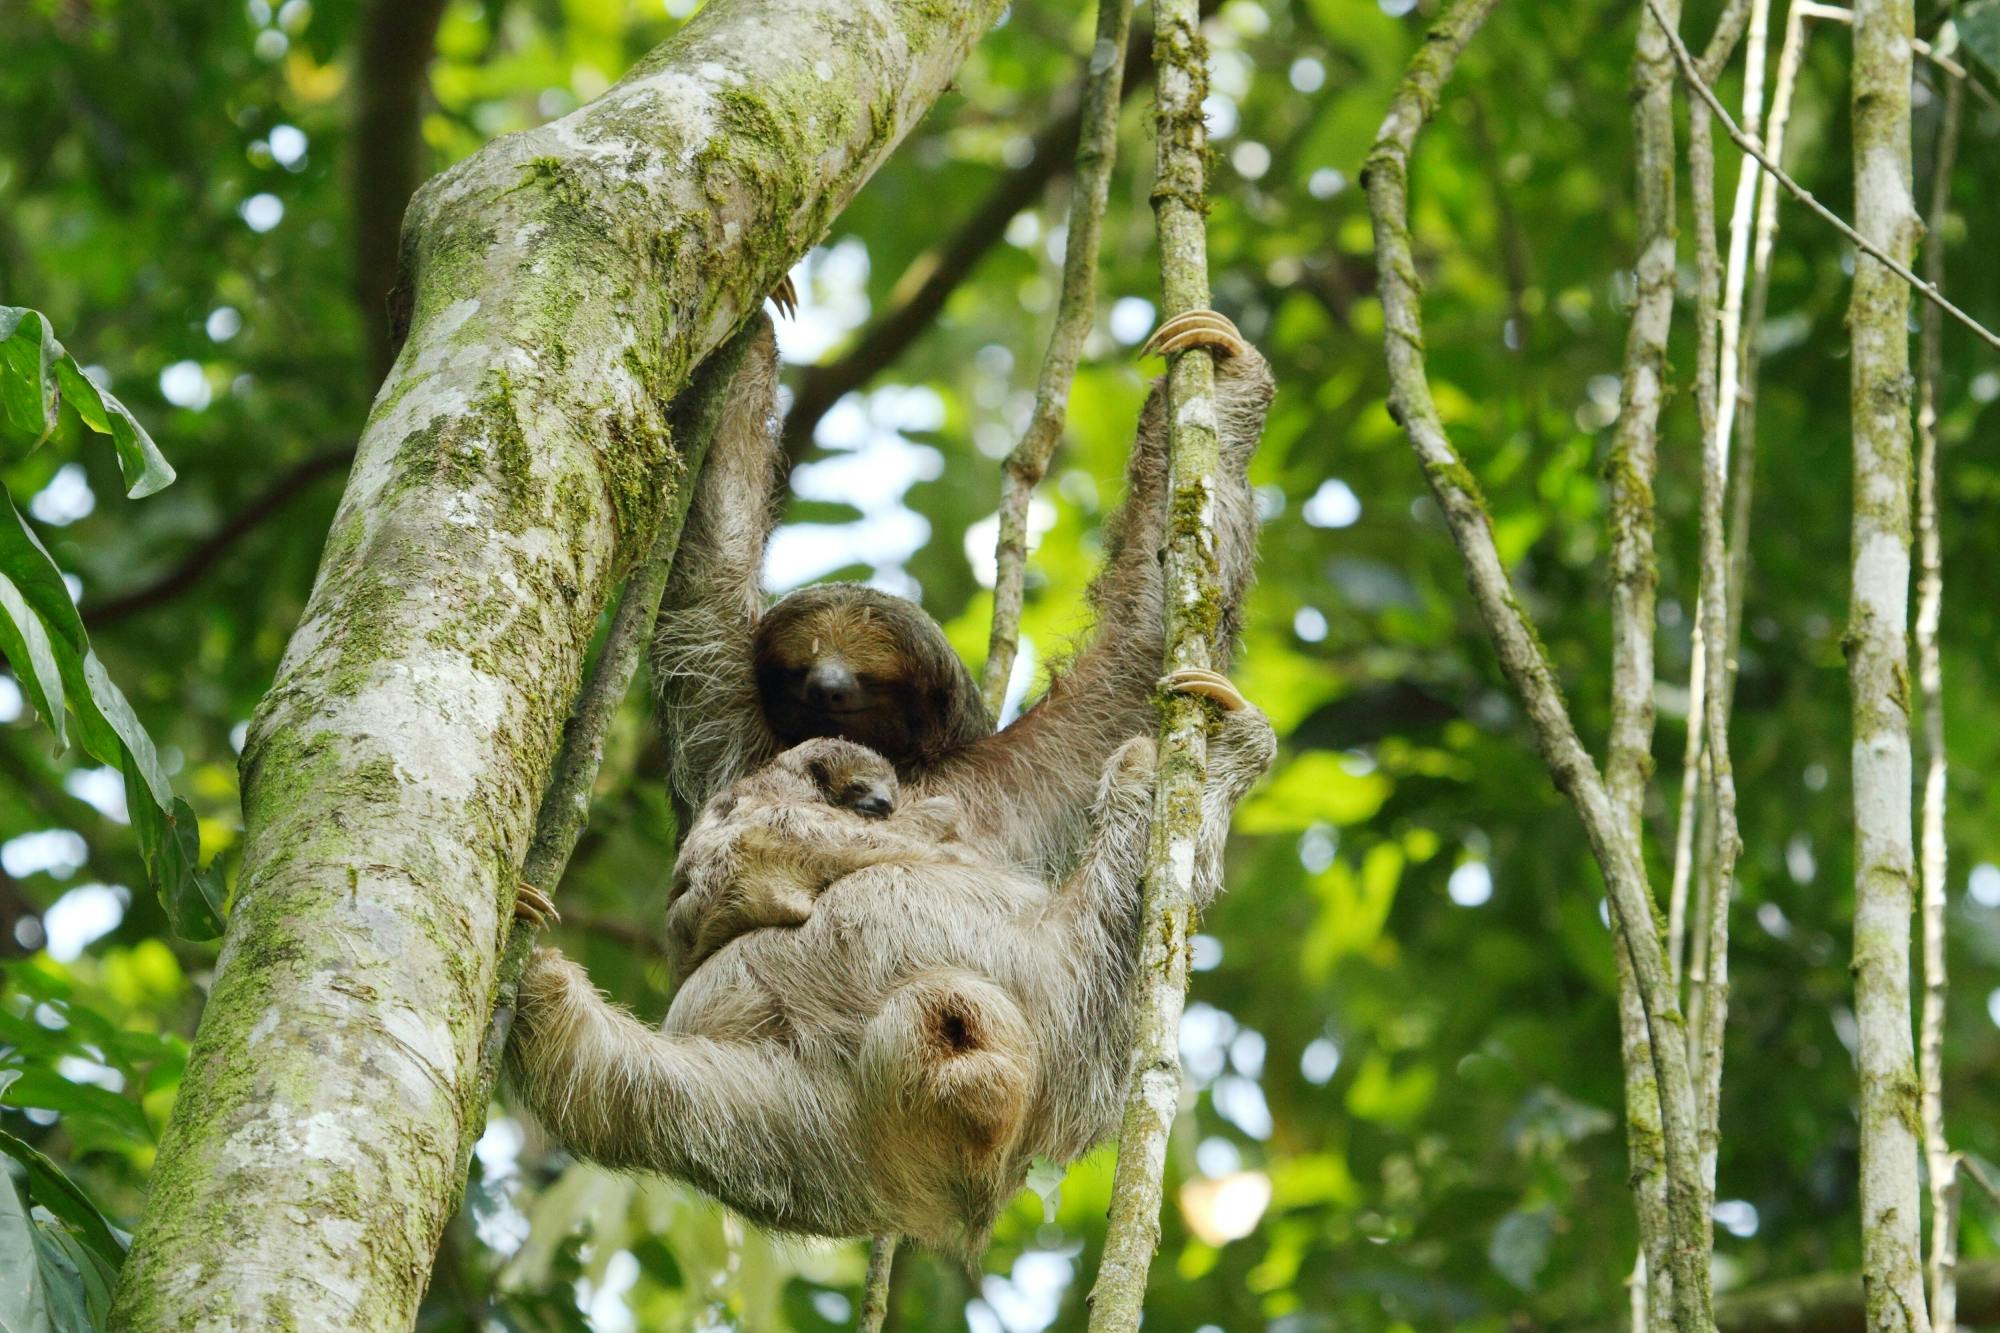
(533, 906)
(1206, 684)
(1196, 328)
(786, 297)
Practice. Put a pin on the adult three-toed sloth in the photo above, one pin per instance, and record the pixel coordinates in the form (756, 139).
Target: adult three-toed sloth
(738, 683)
(884, 1064)
(900, 1024)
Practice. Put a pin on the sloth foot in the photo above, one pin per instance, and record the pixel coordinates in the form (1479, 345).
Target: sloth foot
(1196, 328)
(532, 906)
(786, 297)
(1207, 685)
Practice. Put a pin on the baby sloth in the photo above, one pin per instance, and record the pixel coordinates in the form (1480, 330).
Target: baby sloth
(881, 1026)
(764, 850)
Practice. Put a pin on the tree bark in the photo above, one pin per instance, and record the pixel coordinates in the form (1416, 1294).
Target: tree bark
(564, 281)
(1879, 670)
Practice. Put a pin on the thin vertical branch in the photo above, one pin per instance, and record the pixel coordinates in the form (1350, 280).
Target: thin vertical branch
(875, 1291)
(1708, 999)
(1878, 665)
(1629, 468)
(1701, 159)
(1096, 153)
(1159, 990)
(1613, 837)
(1943, 1257)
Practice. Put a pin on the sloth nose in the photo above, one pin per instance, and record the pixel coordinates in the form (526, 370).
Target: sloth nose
(875, 803)
(831, 686)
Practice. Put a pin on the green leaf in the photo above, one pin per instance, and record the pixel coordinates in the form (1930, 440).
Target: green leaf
(37, 376)
(1979, 28)
(29, 396)
(49, 1090)
(108, 729)
(24, 642)
(145, 468)
(78, 1283)
(49, 1187)
(24, 1304)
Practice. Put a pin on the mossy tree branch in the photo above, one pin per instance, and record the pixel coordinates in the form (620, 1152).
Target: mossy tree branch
(1612, 835)
(1878, 667)
(1166, 920)
(564, 282)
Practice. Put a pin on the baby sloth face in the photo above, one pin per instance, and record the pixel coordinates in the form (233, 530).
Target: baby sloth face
(846, 775)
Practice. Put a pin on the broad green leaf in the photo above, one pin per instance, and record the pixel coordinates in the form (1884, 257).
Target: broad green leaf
(24, 1303)
(45, 1088)
(108, 729)
(29, 396)
(24, 642)
(37, 376)
(78, 1283)
(65, 1199)
(145, 469)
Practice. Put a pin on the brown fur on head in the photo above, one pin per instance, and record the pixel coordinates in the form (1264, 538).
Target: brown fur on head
(845, 774)
(841, 659)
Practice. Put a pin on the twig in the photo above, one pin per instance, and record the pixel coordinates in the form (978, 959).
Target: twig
(565, 807)
(212, 548)
(875, 1290)
(1942, 1260)
(1835, 14)
(1804, 196)
(1613, 838)
(1096, 152)
(1166, 914)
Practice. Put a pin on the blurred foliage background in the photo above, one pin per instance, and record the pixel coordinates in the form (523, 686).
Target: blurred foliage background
(1403, 1088)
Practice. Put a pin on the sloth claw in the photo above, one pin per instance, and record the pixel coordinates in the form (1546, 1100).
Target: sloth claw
(1196, 328)
(1207, 685)
(785, 296)
(532, 906)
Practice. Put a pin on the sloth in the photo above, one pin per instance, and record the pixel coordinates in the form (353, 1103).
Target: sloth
(738, 682)
(883, 1025)
(765, 849)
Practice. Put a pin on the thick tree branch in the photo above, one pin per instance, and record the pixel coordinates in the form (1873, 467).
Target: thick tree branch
(565, 281)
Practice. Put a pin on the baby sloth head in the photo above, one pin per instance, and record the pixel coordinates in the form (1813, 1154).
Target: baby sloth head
(846, 775)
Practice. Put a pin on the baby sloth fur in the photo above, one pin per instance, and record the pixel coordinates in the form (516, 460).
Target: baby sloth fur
(882, 1026)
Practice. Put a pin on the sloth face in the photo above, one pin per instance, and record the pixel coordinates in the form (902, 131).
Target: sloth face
(847, 776)
(847, 661)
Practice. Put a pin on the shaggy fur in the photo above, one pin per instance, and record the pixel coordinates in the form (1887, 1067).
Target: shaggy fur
(731, 674)
(892, 1062)
(763, 851)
